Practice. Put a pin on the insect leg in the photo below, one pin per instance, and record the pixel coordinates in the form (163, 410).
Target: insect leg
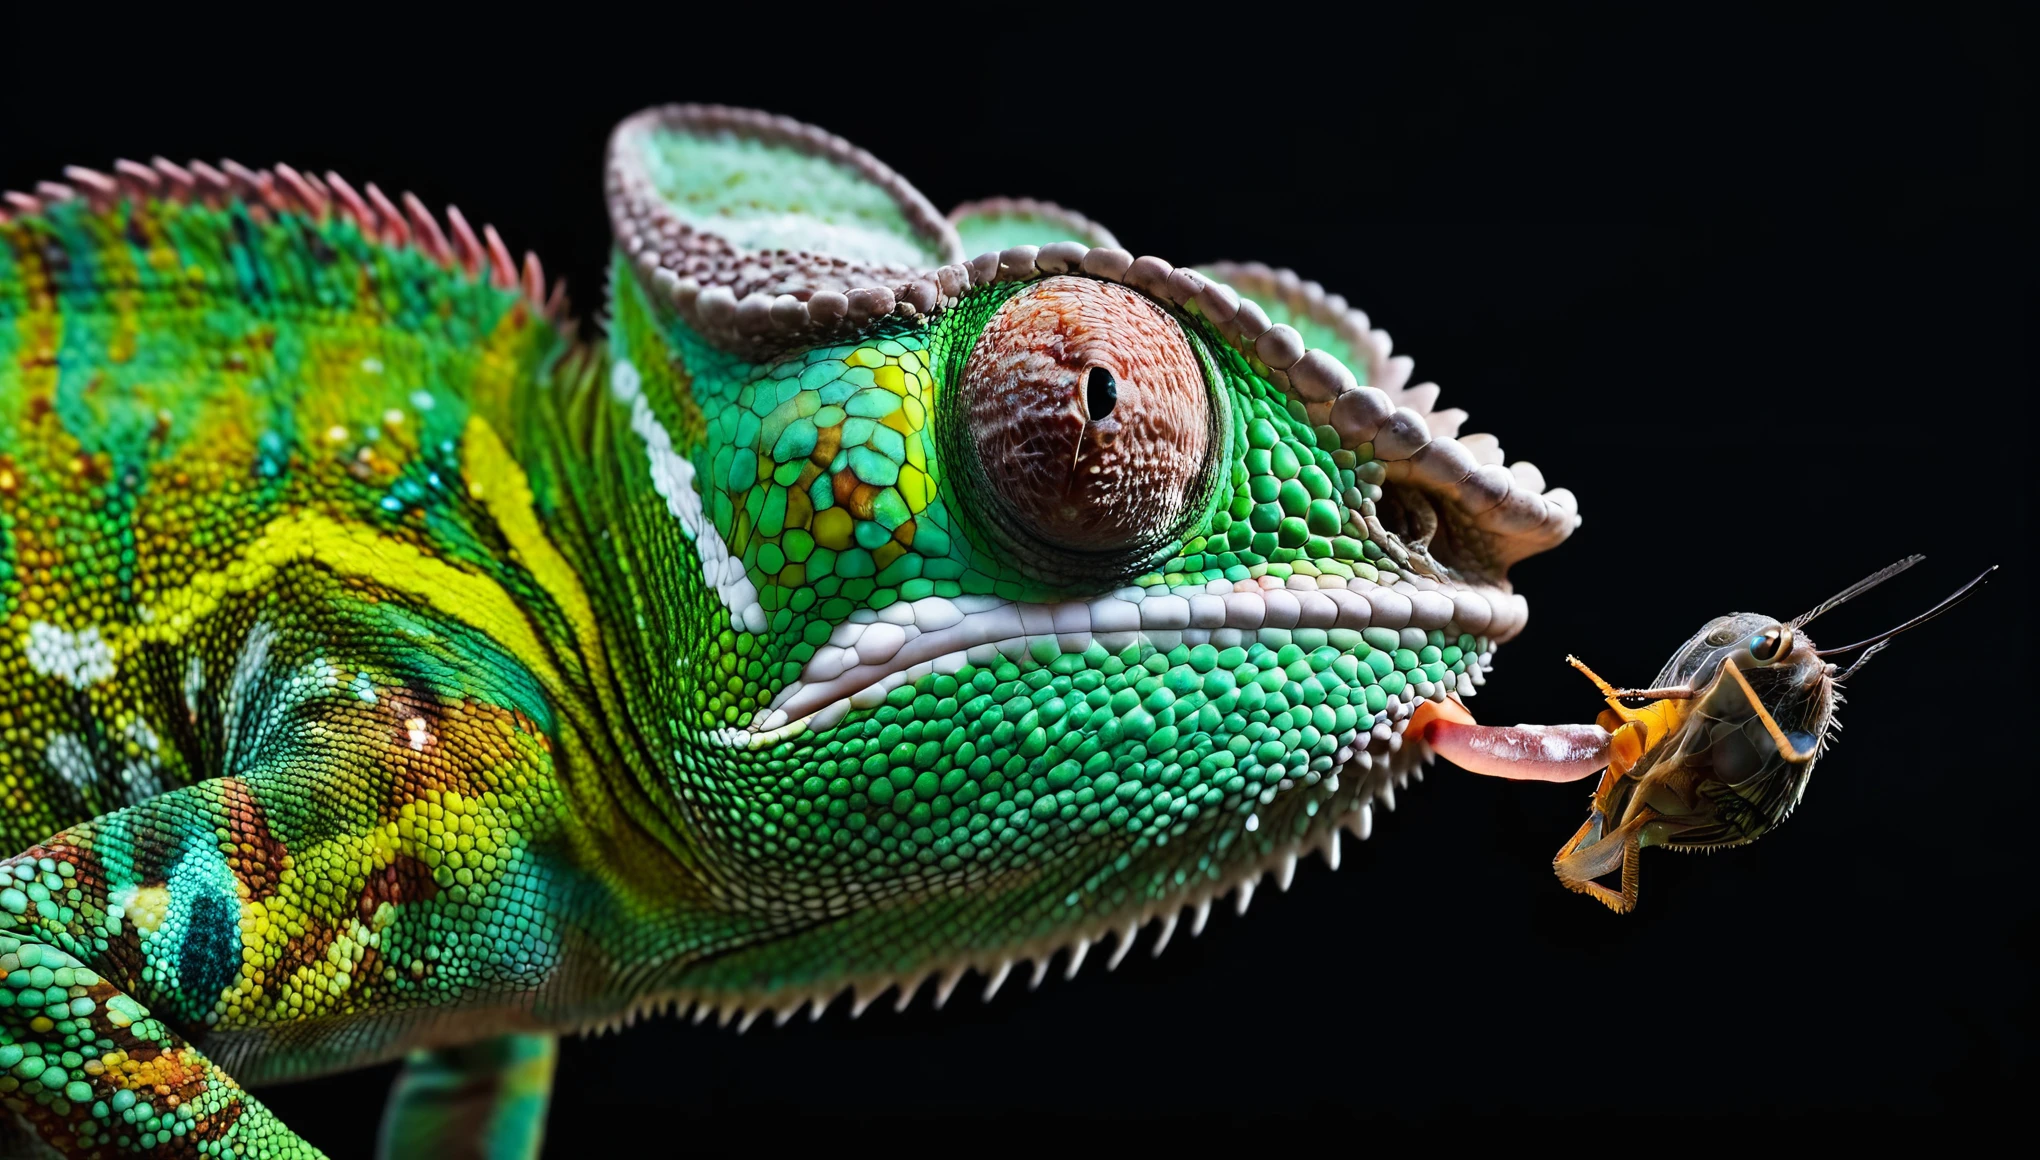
(1785, 747)
(1614, 695)
(1607, 690)
(1577, 868)
(1589, 833)
(1668, 693)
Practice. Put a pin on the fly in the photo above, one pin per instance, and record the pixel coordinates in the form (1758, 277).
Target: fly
(1717, 753)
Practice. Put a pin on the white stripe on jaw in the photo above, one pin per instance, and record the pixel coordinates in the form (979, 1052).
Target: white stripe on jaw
(673, 478)
(874, 652)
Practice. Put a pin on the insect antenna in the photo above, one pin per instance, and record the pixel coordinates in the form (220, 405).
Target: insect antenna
(1877, 643)
(1872, 651)
(1855, 590)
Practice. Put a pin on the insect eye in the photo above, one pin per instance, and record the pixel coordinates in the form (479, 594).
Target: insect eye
(1769, 644)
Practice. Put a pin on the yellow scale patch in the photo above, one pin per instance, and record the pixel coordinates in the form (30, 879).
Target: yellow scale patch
(442, 826)
(346, 550)
(495, 478)
(904, 375)
(458, 836)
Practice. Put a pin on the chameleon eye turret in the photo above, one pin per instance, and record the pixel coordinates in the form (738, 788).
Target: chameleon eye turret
(1088, 419)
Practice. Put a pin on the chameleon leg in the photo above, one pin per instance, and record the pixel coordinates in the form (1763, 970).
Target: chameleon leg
(96, 1073)
(485, 1100)
(370, 863)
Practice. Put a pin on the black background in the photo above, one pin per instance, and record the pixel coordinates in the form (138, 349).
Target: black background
(1750, 286)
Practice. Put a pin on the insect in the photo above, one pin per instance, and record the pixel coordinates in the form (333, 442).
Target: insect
(1718, 754)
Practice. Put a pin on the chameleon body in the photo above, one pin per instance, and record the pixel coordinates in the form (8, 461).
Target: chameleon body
(387, 671)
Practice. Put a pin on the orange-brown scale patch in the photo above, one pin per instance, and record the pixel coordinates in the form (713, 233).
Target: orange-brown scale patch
(828, 441)
(853, 494)
(404, 879)
(257, 857)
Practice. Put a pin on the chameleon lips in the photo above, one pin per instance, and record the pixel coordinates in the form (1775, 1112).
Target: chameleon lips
(873, 653)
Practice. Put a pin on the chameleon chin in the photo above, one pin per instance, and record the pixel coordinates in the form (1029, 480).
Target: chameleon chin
(875, 597)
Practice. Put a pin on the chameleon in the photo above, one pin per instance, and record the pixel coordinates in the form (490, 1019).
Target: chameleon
(395, 668)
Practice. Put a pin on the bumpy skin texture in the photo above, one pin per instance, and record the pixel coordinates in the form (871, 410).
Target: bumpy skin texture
(384, 674)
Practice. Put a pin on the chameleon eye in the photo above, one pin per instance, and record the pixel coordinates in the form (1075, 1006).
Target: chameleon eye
(1088, 415)
(1770, 644)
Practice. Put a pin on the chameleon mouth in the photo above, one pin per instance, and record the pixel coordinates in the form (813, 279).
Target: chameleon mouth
(873, 653)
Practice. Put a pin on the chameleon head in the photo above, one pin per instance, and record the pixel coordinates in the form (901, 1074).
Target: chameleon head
(1001, 603)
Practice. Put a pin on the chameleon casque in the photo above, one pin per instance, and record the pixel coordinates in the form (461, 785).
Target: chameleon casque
(388, 671)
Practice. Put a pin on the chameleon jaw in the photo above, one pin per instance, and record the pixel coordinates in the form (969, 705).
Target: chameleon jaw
(1303, 813)
(1369, 775)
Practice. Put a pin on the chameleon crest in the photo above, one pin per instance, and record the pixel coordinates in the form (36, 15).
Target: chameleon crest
(387, 672)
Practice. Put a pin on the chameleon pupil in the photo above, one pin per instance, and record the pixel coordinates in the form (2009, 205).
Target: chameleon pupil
(1100, 393)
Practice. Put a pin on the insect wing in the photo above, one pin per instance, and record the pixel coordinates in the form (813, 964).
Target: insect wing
(1740, 781)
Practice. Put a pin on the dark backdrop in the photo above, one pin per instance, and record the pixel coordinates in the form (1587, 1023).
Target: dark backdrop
(1752, 288)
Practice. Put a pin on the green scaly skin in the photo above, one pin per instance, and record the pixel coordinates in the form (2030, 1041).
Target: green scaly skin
(364, 692)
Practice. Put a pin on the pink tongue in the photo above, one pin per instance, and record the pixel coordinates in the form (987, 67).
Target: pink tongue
(1521, 752)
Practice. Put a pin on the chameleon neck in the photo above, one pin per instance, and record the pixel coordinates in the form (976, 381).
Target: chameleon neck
(588, 493)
